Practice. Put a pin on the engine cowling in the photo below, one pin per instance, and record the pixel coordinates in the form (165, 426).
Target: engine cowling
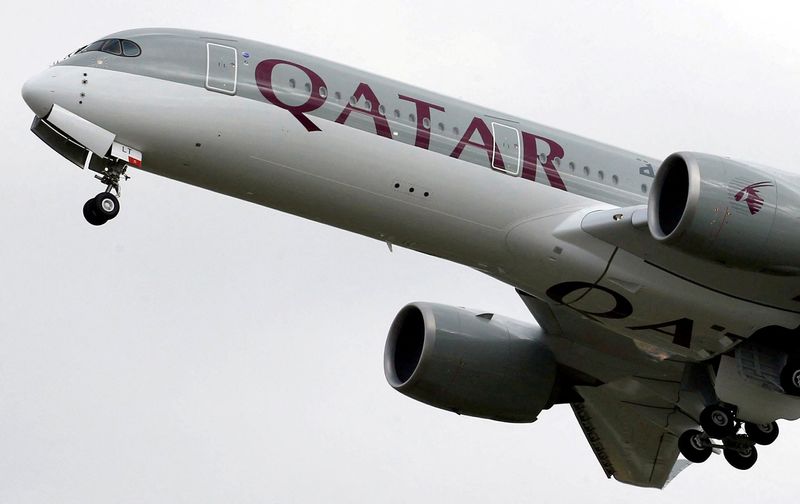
(727, 211)
(478, 365)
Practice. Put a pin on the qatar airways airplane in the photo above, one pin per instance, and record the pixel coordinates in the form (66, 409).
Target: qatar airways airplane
(666, 293)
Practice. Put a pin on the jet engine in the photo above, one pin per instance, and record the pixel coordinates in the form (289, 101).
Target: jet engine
(726, 211)
(474, 364)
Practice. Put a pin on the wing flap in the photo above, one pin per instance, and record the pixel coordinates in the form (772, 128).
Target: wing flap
(629, 433)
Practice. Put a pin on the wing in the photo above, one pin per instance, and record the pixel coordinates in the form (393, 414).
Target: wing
(633, 404)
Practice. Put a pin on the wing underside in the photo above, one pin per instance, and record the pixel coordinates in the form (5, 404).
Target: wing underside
(632, 419)
(632, 437)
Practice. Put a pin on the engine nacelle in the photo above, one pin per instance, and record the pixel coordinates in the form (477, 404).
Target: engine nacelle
(477, 365)
(727, 211)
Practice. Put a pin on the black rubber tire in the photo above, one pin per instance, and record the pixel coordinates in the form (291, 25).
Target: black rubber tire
(106, 205)
(718, 422)
(741, 459)
(90, 214)
(763, 434)
(691, 446)
(790, 377)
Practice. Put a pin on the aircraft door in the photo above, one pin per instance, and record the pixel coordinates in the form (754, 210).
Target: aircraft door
(221, 68)
(506, 155)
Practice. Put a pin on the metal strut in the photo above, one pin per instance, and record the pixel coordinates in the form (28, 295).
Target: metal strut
(112, 176)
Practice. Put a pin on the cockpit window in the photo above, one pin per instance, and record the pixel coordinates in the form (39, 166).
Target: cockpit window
(117, 47)
(112, 46)
(94, 46)
(130, 49)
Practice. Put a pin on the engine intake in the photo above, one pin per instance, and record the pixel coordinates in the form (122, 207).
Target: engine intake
(726, 211)
(478, 365)
(676, 189)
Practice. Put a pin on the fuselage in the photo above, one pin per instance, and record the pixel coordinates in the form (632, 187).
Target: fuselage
(411, 168)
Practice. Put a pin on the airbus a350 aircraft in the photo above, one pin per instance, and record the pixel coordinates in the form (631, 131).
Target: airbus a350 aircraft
(666, 292)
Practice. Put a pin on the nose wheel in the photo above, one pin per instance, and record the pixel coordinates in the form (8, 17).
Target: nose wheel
(101, 209)
(105, 206)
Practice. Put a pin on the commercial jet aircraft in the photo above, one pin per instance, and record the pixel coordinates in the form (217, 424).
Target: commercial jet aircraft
(666, 293)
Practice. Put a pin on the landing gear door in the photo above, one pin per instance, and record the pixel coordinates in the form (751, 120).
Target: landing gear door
(221, 68)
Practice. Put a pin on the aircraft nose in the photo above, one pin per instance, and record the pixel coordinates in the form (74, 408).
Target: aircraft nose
(38, 92)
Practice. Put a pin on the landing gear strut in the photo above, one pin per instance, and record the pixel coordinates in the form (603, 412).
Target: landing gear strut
(105, 206)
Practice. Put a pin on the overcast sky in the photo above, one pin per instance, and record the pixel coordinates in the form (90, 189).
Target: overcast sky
(203, 349)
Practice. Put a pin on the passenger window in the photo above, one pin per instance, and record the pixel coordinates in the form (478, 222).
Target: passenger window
(112, 46)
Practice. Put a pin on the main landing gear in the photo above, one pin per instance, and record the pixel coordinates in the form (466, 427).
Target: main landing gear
(105, 206)
(790, 376)
(719, 422)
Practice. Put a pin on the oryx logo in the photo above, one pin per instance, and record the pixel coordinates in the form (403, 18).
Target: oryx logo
(750, 196)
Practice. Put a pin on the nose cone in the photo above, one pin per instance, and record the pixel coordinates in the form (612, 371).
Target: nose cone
(38, 92)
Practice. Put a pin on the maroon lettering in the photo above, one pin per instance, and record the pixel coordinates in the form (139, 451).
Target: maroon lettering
(423, 139)
(559, 293)
(487, 140)
(315, 100)
(531, 155)
(364, 91)
(681, 336)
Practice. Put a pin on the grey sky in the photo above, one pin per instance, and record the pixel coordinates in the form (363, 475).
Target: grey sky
(202, 349)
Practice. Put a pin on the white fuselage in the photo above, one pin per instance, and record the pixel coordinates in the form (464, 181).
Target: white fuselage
(528, 235)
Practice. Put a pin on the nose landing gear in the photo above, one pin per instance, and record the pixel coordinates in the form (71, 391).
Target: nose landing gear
(105, 206)
(719, 422)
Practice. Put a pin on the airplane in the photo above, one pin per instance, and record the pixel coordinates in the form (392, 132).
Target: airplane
(665, 292)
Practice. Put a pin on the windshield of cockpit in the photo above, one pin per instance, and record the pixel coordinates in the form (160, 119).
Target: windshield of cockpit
(117, 47)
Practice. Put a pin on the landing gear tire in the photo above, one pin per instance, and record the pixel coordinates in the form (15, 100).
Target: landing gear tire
(740, 454)
(106, 205)
(91, 215)
(763, 434)
(694, 445)
(718, 422)
(790, 377)
(101, 209)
